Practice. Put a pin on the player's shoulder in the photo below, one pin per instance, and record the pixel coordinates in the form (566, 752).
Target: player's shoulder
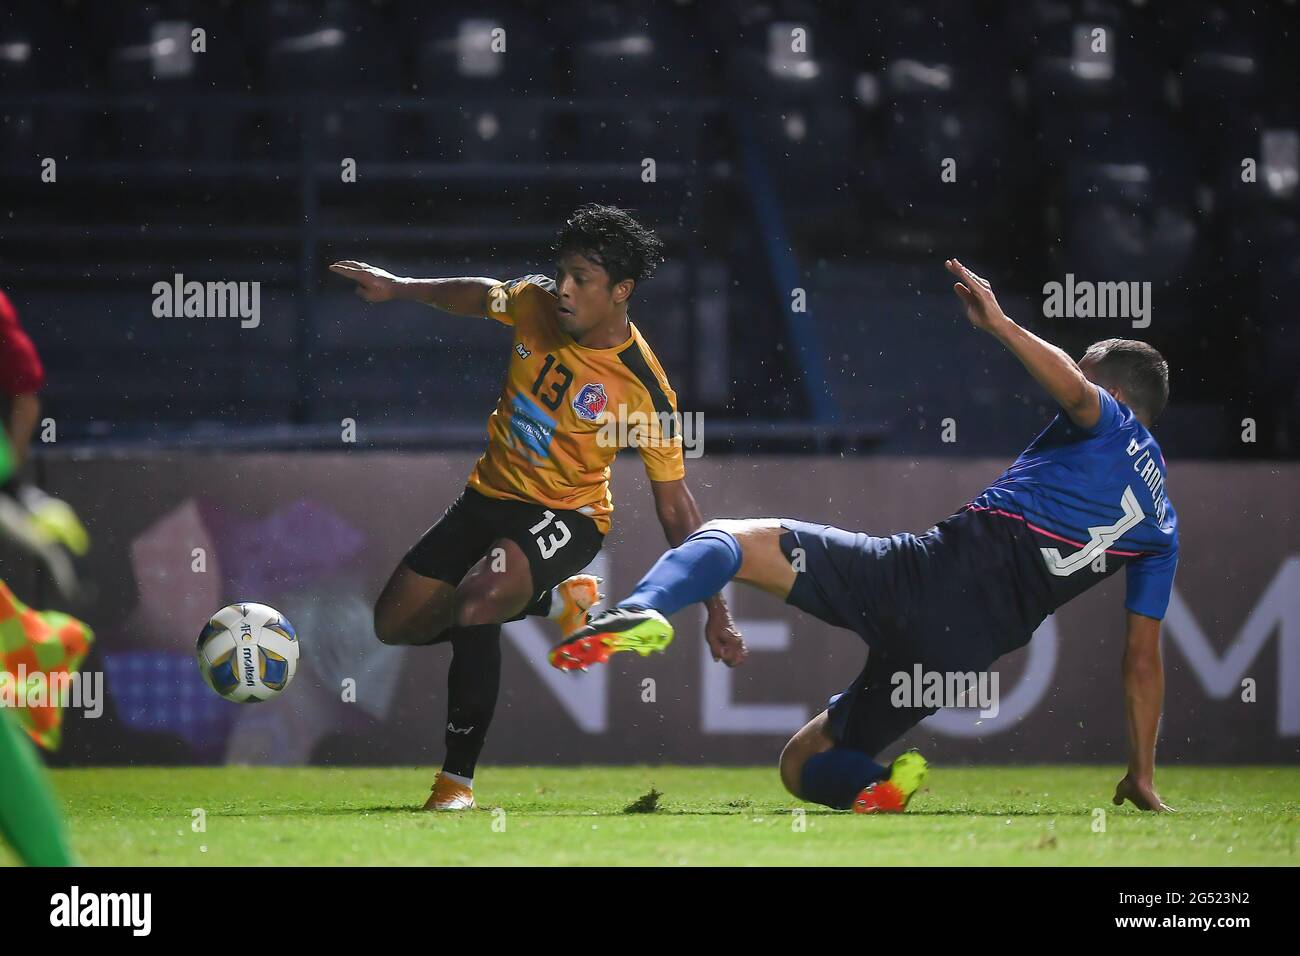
(531, 284)
(643, 370)
(644, 365)
(530, 299)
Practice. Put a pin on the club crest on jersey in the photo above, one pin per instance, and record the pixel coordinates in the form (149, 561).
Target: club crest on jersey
(591, 401)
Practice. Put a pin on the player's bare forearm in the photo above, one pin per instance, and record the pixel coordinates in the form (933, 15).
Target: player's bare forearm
(1144, 694)
(1050, 366)
(676, 509)
(465, 296)
(1053, 369)
(680, 516)
(461, 296)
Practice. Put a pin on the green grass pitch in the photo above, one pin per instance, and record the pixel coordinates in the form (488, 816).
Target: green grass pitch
(705, 815)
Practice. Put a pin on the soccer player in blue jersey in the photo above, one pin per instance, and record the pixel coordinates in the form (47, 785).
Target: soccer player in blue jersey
(1086, 498)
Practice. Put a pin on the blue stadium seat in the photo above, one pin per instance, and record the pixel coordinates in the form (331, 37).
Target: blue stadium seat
(884, 366)
(942, 87)
(336, 59)
(1088, 58)
(490, 56)
(152, 54)
(937, 47)
(417, 386)
(1270, 139)
(1232, 58)
(38, 54)
(1127, 200)
(800, 113)
(119, 363)
(634, 54)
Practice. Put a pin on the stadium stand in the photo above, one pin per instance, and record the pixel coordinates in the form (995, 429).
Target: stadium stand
(778, 167)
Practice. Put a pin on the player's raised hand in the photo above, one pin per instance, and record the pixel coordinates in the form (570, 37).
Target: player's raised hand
(976, 295)
(1141, 794)
(725, 642)
(373, 283)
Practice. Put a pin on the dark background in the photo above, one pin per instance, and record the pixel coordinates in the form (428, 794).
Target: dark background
(775, 170)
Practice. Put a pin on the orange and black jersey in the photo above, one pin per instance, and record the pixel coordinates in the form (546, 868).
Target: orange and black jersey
(566, 410)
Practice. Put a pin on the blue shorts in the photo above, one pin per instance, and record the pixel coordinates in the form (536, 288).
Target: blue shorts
(944, 600)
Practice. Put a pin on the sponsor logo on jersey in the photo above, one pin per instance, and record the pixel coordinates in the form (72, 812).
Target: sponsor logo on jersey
(591, 401)
(531, 426)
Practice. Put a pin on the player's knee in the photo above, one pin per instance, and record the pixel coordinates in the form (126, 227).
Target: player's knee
(475, 606)
(730, 526)
(386, 629)
(379, 617)
(726, 530)
(793, 757)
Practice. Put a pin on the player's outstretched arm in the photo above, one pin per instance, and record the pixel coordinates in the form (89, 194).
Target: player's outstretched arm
(1144, 694)
(1050, 366)
(680, 516)
(465, 296)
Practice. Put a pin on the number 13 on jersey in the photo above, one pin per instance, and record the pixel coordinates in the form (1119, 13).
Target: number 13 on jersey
(558, 538)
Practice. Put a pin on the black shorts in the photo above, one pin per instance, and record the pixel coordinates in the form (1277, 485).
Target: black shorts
(925, 600)
(558, 544)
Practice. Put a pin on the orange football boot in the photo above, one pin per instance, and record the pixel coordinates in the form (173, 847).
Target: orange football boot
(577, 595)
(449, 795)
(906, 774)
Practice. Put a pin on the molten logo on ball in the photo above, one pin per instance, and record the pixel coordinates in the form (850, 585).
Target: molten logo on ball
(248, 652)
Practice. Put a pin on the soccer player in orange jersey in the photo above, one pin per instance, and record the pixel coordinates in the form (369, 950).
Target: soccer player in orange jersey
(538, 505)
(39, 524)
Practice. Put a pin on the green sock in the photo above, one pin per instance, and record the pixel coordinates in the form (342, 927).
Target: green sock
(29, 813)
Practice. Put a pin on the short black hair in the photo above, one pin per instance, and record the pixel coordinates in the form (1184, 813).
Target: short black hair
(1136, 368)
(610, 237)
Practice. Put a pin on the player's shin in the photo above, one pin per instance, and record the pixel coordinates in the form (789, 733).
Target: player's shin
(694, 571)
(473, 681)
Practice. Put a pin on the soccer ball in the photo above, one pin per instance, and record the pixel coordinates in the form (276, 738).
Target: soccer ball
(248, 653)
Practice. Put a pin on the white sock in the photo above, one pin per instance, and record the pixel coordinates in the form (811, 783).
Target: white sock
(463, 781)
(557, 606)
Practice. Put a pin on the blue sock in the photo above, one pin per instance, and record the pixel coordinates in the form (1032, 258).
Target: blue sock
(695, 570)
(834, 777)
